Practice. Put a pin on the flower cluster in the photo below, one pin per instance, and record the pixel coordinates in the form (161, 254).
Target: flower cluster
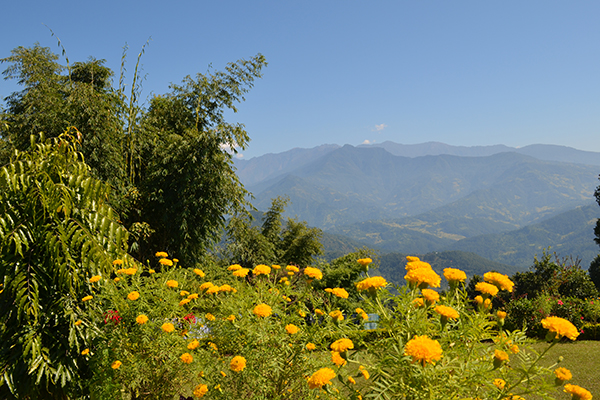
(423, 350)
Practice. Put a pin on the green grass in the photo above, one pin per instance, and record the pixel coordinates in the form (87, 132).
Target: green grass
(582, 358)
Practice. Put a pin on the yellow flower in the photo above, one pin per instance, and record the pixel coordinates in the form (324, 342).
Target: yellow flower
(262, 310)
(116, 364)
(310, 346)
(234, 267)
(261, 269)
(313, 273)
(184, 302)
(499, 383)
(199, 272)
(213, 346)
(563, 374)
(130, 271)
(500, 355)
(206, 285)
(212, 290)
(321, 378)
(117, 262)
(501, 314)
(168, 327)
(95, 278)
(117, 279)
(200, 391)
(151, 271)
(193, 296)
(371, 284)
(133, 296)
(184, 293)
(499, 280)
(319, 312)
(423, 350)
(166, 261)
(487, 303)
(187, 358)
(561, 327)
(359, 311)
(78, 322)
(417, 265)
(337, 315)
(418, 302)
(454, 275)
(577, 392)
(290, 273)
(241, 273)
(85, 352)
(193, 344)
(412, 258)
(291, 329)
(86, 298)
(514, 349)
(337, 359)
(479, 300)
(339, 292)
(430, 295)
(486, 288)
(141, 319)
(292, 268)
(175, 260)
(423, 276)
(223, 374)
(161, 254)
(364, 261)
(341, 345)
(210, 317)
(447, 312)
(172, 283)
(364, 372)
(227, 288)
(351, 380)
(237, 364)
(301, 313)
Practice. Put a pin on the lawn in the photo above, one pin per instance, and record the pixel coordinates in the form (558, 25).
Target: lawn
(582, 358)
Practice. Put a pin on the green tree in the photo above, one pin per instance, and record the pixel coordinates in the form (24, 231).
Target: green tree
(56, 230)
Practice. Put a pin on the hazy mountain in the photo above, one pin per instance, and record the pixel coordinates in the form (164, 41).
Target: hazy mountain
(499, 192)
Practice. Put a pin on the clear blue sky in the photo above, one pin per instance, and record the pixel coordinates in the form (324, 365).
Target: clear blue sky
(458, 72)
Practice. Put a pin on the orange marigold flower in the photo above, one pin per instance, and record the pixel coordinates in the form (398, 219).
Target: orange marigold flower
(86, 298)
(193, 296)
(184, 293)
(417, 265)
(116, 364)
(313, 273)
(454, 275)
(166, 261)
(292, 268)
(141, 319)
(418, 302)
(561, 327)
(172, 283)
(341, 345)
(187, 358)
(234, 267)
(321, 378)
(193, 344)
(200, 391)
(486, 288)
(447, 312)
(364, 261)
(275, 266)
(310, 346)
(430, 295)
(237, 364)
(499, 383)
(261, 269)
(85, 352)
(364, 372)
(184, 302)
(291, 329)
(133, 296)
(351, 380)
(371, 284)
(423, 350)
(423, 276)
(262, 310)
(336, 315)
(213, 289)
(210, 317)
(227, 288)
(499, 280)
(339, 292)
(563, 374)
(319, 311)
(479, 300)
(117, 262)
(577, 392)
(78, 322)
(199, 272)
(151, 271)
(117, 279)
(514, 349)
(500, 355)
(161, 254)
(241, 273)
(501, 314)
(168, 327)
(95, 278)
(206, 285)
(412, 258)
(130, 271)
(337, 359)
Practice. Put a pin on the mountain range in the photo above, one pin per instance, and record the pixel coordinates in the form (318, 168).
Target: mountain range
(502, 203)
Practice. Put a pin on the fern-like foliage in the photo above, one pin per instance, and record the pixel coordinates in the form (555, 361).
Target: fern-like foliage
(56, 230)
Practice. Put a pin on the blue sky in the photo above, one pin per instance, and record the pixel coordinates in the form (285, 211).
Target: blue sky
(458, 72)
